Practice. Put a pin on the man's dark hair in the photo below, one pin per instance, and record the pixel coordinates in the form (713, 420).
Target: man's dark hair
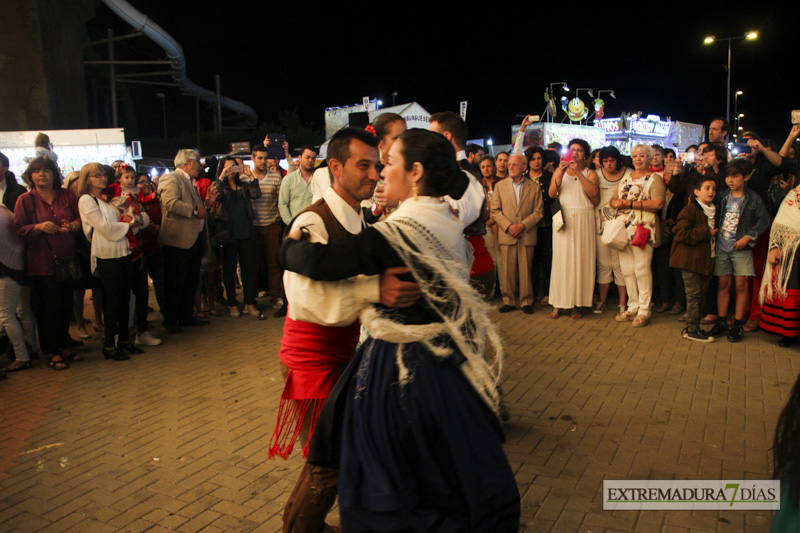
(258, 148)
(726, 126)
(692, 146)
(4, 160)
(555, 146)
(453, 123)
(658, 148)
(739, 166)
(339, 147)
(551, 156)
(308, 147)
(473, 148)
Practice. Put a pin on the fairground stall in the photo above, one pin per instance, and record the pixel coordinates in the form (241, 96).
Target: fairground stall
(543, 133)
(74, 148)
(627, 131)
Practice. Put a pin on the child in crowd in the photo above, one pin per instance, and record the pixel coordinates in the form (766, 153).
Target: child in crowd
(693, 253)
(124, 195)
(741, 218)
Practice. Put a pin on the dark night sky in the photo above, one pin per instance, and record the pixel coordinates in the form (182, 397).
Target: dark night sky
(309, 58)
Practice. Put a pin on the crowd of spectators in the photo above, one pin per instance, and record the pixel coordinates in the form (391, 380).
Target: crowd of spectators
(209, 228)
(111, 231)
(632, 220)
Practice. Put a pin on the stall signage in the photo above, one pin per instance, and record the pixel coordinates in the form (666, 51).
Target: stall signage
(610, 125)
(654, 128)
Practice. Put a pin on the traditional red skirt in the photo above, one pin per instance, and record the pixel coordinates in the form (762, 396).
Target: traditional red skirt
(483, 259)
(782, 317)
(313, 354)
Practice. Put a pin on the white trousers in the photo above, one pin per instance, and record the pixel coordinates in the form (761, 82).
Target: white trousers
(635, 264)
(16, 300)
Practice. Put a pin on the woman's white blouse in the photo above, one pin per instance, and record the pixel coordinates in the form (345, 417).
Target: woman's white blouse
(103, 229)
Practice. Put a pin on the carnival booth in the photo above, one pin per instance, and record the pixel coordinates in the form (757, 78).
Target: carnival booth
(543, 133)
(337, 118)
(74, 148)
(627, 131)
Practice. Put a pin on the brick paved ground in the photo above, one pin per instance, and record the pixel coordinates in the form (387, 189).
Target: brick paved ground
(175, 440)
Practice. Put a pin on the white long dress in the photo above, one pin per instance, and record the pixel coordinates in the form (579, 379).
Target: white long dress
(572, 275)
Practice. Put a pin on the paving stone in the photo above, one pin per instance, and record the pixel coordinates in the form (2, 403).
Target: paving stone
(175, 440)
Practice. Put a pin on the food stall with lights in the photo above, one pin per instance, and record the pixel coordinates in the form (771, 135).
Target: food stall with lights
(74, 148)
(627, 131)
(543, 133)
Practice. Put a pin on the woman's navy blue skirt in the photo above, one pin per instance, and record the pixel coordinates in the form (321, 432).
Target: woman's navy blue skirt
(424, 456)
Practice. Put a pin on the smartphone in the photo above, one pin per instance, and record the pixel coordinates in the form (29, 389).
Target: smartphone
(688, 157)
(236, 169)
(796, 116)
(275, 148)
(567, 157)
(740, 148)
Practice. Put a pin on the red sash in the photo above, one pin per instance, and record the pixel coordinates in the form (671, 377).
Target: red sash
(313, 354)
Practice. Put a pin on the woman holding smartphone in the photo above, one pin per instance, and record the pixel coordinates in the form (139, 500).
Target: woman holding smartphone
(237, 234)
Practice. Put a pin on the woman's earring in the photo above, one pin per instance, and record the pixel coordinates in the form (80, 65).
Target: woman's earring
(414, 190)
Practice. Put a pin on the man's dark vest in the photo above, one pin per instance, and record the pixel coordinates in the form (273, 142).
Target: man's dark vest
(332, 225)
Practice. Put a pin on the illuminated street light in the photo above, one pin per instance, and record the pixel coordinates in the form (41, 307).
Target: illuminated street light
(711, 39)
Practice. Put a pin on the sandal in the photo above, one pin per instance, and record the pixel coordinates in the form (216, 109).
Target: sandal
(57, 364)
(554, 315)
(576, 315)
(235, 313)
(751, 326)
(641, 321)
(214, 312)
(624, 316)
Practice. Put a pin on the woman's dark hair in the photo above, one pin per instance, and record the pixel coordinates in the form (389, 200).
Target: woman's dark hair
(591, 158)
(221, 167)
(443, 176)
(607, 152)
(383, 122)
(44, 162)
(720, 151)
(668, 151)
(786, 445)
(583, 144)
(530, 150)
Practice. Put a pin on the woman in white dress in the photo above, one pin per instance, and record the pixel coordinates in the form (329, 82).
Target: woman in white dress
(572, 275)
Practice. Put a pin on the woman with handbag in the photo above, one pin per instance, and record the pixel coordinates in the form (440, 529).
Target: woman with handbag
(111, 258)
(47, 218)
(609, 173)
(638, 200)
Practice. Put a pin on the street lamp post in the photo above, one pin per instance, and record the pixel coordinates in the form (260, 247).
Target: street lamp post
(163, 111)
(711, 39)
(736, 109)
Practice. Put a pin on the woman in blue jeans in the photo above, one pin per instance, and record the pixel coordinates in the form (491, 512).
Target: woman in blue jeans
(237, 234)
